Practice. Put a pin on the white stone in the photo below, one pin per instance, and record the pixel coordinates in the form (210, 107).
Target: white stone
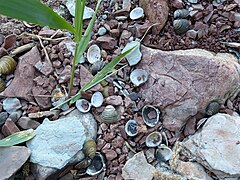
(135, 56)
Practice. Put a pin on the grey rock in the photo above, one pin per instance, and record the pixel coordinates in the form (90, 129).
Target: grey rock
(27, 123)
(138, 168)
(11, 104)
(44, 67)
(216, 146)
(183, 82)
(85, 122)
(14, 116)
(11, 160)
(24, 73)
(102, 31)
(3, 117)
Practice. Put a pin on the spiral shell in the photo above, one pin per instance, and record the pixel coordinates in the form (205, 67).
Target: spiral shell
(212, 108)
(2, 85)
(7, 65)
(131, 128)
(97, 165)
(109, 115)
(180, 26)
(150, 115)
(154, 139)
(181, 14)
(90, 148)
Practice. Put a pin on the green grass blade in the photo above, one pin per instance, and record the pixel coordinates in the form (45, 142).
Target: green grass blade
(101, 75)
(78, 20)
(33, 11)
(87, 35)
(17, 138)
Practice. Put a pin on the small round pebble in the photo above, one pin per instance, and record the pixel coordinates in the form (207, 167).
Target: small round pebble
(133, 96)
(102, 31)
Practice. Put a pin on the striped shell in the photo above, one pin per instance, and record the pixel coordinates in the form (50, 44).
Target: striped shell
(109, 115)
(7, 65)
(180, 26)
(2, 85)
(181, 14)
(90, 148)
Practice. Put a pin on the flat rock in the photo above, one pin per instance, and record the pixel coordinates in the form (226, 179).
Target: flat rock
(11, 160)
(107, 42)
(216, 145)
(22, 83)
(65, 139)
(138, 168)
(156, 12)
(183, 82)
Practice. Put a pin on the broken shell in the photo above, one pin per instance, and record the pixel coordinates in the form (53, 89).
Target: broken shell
(93, 54)
(212, 108)
(150, 115)
(97, 66)
(136, 13)
(83, 105)
(7, 65)
(97, 99)
(138, 77)
(97, 165)
(109, 114)
(90, 148)
(131, 128)
(180, 26)
(181, 14)
(163, 153)
(82, 165)
(135, 56)
(154, 139)
(2, 85)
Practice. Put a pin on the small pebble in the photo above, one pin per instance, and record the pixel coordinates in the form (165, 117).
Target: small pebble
(27, 123)
(3, 117)
(133, 96)
(11, 104)
(102, 31)
(14, 116)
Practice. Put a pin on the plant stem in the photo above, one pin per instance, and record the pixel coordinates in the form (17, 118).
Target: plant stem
(73, 71)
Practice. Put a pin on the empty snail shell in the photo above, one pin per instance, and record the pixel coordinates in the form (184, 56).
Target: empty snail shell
(83, 165)
(163, 153)
(97, 99)
(7, 65)
(181, 14)
(150, 115)
(136, 13)
(2, 85)
(109, 115)
(97, 66)
(212, 108)
(93, 54)
(180, 26)
(83, 105)
(131, 128)
(90, 148)
(154, 139)
(138, 76)
(97, 165)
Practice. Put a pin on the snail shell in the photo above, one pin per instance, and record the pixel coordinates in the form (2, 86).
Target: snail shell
(181, 14)
(83, 105)
(90, 148)
(154, 139)
(2, 85)
(180, 26)
(150, 115)
(163, 153)
(7, 65)
(82, 165)
(212, 108)
(138, 76)
(131, 128)
(97, 66)
(109, 115)
(93, 54)
(97, 165)
(137, 13)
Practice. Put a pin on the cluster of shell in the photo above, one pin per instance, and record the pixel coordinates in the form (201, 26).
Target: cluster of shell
(84, 105)
(7, 66)
(93, 163)
(181, 23)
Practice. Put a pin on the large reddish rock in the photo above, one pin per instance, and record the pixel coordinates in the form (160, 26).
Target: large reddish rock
(183, 82)
(156, 12)
(22, 83)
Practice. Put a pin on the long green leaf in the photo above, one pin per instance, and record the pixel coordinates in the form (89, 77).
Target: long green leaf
(17, 138)
(87, 35)
(78, 20)
(33, 11)
(101, 75)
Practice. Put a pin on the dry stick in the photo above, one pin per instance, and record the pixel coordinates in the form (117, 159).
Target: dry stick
(55, 34)
(129, 147)
(44, 38)
(44, 49)
(148, 30)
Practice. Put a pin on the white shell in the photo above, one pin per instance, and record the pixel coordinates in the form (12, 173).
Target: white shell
(155, 113)
(92, 169)
(138, 77)
(80, 105)
(97, 99)
(135, 56)
(131, 128)
(163, 153)
(154, 139)
(93, 54)
(136, 13)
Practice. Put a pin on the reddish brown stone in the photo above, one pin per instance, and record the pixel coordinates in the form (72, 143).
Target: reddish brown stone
(9, 128)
